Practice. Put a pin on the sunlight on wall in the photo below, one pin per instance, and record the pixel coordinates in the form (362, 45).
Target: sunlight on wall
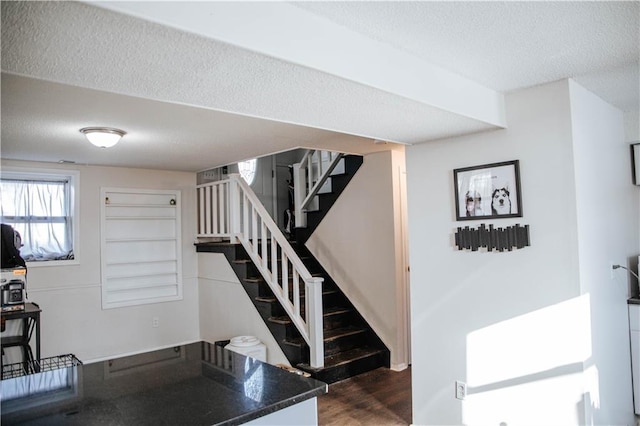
(530, 368)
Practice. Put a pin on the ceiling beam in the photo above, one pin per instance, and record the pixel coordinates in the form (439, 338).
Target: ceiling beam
(284, 31)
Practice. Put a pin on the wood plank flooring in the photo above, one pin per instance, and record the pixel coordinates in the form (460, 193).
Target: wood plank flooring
(378, 397)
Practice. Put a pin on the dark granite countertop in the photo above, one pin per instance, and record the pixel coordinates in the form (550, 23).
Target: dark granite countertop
(633, 301)
(192, 388)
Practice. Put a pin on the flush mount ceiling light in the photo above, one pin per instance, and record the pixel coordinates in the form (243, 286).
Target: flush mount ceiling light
(103, 137)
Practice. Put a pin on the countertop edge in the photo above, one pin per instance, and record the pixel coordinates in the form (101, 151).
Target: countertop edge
(243, 418)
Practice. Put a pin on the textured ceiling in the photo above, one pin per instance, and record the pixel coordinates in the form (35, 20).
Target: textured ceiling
(155, 130)
(190, 101)
(509, 45)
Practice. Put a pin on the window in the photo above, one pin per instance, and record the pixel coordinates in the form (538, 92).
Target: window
(247, 170)
(41, 206)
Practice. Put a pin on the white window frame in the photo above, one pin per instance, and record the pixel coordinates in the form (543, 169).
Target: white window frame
(73, 176)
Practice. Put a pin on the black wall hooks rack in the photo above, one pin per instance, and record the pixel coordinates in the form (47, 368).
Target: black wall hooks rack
(492, 238)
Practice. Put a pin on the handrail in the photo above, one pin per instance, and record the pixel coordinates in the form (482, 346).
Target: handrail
(229, 208)
(308, 176)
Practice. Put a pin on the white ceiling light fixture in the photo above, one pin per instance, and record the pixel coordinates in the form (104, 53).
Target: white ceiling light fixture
(103, 137)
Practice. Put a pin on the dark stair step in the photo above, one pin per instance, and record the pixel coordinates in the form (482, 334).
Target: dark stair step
(268, 306)
(343, 339)
(336, 317)
(339, 182)
(286, 331)
(256, 287)
(338, 339)
(333, 318)
(346, 364)
(326, 199)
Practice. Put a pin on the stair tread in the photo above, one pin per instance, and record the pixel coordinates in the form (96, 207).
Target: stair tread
(330, 335)
(284, 319)
(345, 357)
(336, 310)
(337, 333)
(302, 296)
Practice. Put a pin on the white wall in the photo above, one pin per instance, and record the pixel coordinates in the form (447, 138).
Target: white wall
(359, 244)
(632, 126)
(226, 310)
(608, 232)
(70, 296)
(516, 326)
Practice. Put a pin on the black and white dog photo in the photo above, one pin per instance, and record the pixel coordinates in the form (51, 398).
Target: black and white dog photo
(473, 202)
(501, 201)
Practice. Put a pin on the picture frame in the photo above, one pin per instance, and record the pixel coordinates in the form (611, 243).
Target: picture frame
(489, 191)
(635, 163)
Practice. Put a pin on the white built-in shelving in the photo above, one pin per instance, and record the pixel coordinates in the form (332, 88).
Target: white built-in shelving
(141, 256)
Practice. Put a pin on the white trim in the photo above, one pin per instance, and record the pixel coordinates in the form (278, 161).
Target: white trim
(141, 351)
(74, 187)
(399, 367)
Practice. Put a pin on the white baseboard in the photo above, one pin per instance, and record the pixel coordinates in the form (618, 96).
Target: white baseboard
(403, 366)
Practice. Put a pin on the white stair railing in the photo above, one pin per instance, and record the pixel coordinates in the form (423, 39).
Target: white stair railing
(308, 177)
(230, 209)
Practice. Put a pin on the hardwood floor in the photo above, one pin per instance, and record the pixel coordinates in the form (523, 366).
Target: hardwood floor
(378, 397)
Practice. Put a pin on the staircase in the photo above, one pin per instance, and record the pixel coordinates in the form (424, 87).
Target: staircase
(351, 347)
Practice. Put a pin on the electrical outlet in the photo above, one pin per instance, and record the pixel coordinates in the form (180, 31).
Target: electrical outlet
(461, 390)
(155, 322)
(611, 274)
(612, 269)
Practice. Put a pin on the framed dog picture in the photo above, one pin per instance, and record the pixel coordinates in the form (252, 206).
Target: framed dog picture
(490, 191)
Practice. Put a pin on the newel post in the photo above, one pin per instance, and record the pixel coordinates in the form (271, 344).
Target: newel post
(314, 319)
(234, 208)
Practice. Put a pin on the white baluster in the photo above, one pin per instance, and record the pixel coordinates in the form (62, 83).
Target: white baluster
(274, 260)
(296, 292)
(216, 200)
(201, 212)
(207, 229)
(284, 280)
(254, 229)
(222, 201)
(299, 194)
(263, 240)
(245, 217)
